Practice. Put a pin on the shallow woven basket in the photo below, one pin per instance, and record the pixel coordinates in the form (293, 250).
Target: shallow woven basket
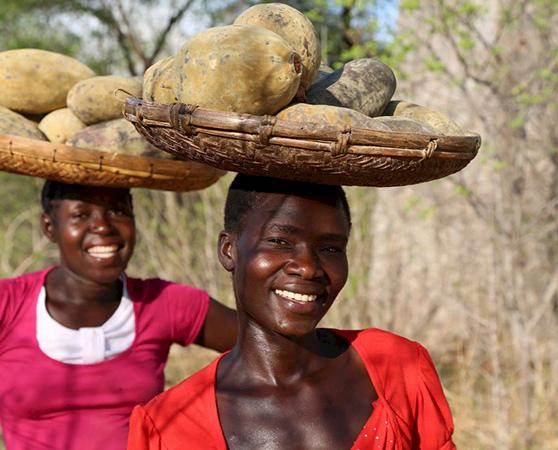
(93, 167)
(264, 145)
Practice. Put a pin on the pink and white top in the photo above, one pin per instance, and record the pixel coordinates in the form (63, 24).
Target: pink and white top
(86, 345)
(48, 404)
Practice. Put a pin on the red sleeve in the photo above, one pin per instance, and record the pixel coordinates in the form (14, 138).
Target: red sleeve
(434, 424)
(143, 435)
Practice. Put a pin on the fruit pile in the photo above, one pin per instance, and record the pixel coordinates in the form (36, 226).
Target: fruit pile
(49, 96)
(266, 62)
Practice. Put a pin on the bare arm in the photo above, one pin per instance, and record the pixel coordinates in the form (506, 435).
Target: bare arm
(220, 327)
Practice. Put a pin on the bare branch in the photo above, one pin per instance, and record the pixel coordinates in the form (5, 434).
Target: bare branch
(162, 37)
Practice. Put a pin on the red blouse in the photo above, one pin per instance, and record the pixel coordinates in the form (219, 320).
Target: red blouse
(411, 412)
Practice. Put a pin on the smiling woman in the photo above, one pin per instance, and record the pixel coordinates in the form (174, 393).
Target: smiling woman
(288, 384)
(81, 343)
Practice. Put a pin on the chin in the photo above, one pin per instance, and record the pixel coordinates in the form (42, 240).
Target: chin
(104, 276)
(296, 331)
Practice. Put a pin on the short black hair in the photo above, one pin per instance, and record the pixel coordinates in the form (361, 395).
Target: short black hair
(246, 191)
(56, 190)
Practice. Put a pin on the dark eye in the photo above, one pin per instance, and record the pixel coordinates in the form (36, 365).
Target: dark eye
(333, 249)
(278, 241)
(120, 212)
(78, 215)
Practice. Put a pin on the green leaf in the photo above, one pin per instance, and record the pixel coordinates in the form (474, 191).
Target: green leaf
(434, 64)
(499, 165)
(517, 122)
(462, 190)
(409, 5)
(466, 43)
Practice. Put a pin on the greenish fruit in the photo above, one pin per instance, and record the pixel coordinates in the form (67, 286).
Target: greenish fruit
(442, 124)
(405, 125)
(99, 99)
(237, 68)
(15, 124)
(38, 81)
(365, 85)
(295, 28)
(329, 115)
(59, 125)
(158, 81)
(116, 136)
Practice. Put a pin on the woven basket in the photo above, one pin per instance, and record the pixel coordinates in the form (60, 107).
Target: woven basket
(93, 167)
(264, 145)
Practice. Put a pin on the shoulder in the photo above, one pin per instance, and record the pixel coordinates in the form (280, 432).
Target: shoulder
(403, 372)
(18, 289)
(23, 282)
(187, 408)
(394, 361)
(16, 297)
(149, 289)
(382, 345)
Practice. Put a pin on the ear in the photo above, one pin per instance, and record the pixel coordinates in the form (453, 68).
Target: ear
(225, 250)
(47, 225)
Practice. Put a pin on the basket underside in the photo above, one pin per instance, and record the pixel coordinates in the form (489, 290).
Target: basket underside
(262, 145)
(74, 165)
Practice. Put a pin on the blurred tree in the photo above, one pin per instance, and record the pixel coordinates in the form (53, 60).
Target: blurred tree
(348, 29)
(493, 65)
(108, 35)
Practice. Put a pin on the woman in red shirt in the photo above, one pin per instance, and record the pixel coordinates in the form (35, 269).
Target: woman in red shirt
(288, 384)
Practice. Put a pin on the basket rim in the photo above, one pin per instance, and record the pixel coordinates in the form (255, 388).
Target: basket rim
(320, 153)
(64, 162)
(216, 122)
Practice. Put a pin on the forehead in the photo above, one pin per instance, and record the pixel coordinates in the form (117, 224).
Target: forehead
(86, 195)
(312, 214)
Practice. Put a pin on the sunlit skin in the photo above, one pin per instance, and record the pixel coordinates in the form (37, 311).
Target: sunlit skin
(287, 384)
(95, 235)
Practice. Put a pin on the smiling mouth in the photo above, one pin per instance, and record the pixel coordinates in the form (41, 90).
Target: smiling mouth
(306, 298)
(103, 251)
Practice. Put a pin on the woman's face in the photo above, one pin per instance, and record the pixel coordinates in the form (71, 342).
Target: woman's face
(288, 261)
(95, 234)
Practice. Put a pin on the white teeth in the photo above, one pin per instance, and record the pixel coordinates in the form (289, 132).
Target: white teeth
(296, 296)
(103, 251)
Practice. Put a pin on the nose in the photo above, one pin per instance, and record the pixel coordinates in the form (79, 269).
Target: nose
(305, 263)
(100, 223)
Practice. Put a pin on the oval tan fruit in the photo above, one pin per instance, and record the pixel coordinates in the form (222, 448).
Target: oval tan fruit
(158, 81)
(95, 99)
(240, 68)
(37, 81)
(59, 125)
(117, 136)
(442, 124)
(295, 28)
(365, 85)
(15, 124)
(329, 115)
(405, 125)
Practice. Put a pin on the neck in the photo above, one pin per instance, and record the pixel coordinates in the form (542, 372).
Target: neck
(65, 286)
(267, 357)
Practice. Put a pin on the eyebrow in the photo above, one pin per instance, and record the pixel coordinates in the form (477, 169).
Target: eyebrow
(289, 229)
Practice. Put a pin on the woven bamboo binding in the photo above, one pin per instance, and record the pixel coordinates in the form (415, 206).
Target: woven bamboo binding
(93, 167)
(264, 145)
